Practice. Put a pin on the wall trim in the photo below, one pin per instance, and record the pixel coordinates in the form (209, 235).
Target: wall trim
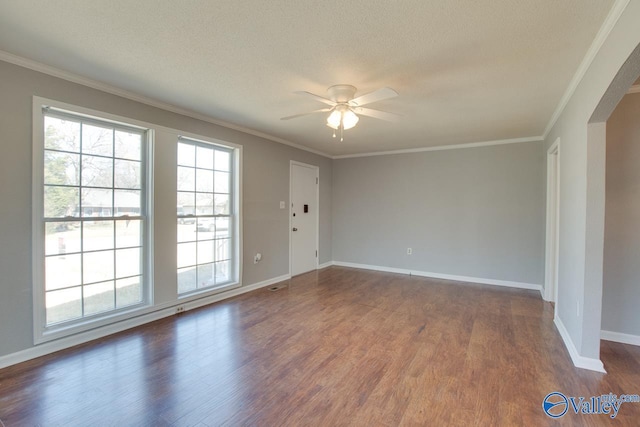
(325, 265)
(444, 147)
(620, 337)
(578, 361)
(634, 89)
(552, 229)
(113, 90)
(605, 29)
(166, 311)
(494, 282)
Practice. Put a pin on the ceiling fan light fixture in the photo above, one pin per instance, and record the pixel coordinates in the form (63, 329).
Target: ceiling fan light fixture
(349, 119)
(334, 119)
(343, 105)
(342, 117)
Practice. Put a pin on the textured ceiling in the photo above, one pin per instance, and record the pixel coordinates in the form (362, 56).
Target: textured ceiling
(466, 70)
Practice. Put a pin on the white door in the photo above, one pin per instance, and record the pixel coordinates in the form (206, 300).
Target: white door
(304, 218)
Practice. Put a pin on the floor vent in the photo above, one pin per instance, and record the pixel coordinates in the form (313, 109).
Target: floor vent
(277, 287)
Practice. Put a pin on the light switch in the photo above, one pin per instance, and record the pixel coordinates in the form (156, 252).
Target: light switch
(281, 205)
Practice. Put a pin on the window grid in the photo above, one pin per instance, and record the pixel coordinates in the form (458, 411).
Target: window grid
(83, 219)
(212, 228)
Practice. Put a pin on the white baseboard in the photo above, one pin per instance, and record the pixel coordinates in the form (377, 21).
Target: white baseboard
(325, 265)
(165, 311)
(620, 337)
(479, 280)
(578, 361)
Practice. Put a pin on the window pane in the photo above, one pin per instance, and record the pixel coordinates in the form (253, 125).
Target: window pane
(128, 262)
(96, 202)
(222, 249)
(186, 254)
(204, 157)
(222, 182)
(204, 204)
(127, 174)
(186, 203)
(222, 204)
(205, 276)
(97, 171)
(223, 161)
(222, 272)
(206, 227)
(98, 298)
(60, 201)
(62, 305)
(128, 291)
(186, 230)
(61, 168)
(61, 134)
(128, 233)
(84, 160)
(62, 238)
(205, 251)
(97, 266)
(97, 140)
(97, 235)
(186, 154)
(186, 279)
(222, 228)
(211, 182)
(62, 271)
(186, 179)
(127, 202)
(204, 180)
(128, 145)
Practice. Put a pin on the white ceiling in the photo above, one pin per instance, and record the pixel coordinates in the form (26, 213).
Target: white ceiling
(467, 71)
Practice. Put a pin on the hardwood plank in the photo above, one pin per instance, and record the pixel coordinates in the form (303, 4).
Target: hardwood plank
(339, 346)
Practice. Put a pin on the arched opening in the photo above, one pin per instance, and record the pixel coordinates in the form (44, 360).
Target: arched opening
(613, 226)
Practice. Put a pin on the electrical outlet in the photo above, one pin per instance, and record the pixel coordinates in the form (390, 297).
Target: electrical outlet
(282, 205)
(257, 258)
(409, 251)
(180, 309)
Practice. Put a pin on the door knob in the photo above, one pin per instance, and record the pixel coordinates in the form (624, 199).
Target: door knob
(295, 229)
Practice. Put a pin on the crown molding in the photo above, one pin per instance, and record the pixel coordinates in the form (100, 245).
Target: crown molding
(444, 147)
(634, 89)
(113, 90)
(614, 14)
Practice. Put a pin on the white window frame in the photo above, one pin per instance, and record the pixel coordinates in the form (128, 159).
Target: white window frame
(235, 216)
(41, 331)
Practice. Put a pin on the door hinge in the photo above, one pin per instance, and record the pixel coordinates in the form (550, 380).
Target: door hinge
(316, 180)
(316, 254)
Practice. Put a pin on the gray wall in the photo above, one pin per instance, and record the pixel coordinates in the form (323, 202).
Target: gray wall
(621, 287)
(265, 179)
(475, 212)
(581, 233)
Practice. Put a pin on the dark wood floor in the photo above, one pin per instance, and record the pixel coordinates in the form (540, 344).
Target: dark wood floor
(336, 347)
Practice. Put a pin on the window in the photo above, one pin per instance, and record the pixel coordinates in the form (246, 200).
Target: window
(207, 216)
(92, 217)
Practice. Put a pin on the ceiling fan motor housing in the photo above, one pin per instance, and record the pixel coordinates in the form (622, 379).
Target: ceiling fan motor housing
(341, 93)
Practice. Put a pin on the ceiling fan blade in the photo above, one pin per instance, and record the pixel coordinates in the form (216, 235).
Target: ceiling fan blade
(383, 115)
(316, 97)
(376, 95)
(324, 110)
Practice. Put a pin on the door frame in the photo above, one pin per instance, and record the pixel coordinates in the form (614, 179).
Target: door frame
(317, 233)
(552, 253)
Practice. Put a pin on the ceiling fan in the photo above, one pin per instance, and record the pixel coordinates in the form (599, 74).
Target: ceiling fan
(344, 108)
